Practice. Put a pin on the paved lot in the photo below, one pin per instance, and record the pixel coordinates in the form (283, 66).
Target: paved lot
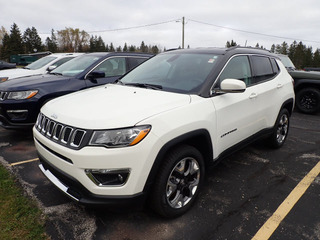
(239, 196)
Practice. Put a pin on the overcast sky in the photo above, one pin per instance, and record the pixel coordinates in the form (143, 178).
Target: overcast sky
(208, 23)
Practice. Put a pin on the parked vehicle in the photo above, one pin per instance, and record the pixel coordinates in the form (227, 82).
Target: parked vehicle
(41, 66)
(6, 65)
(153, 134)
(306, 87)
(22, 98)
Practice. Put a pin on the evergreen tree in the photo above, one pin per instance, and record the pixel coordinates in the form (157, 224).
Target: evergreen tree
(119, 49)
(111, 48)
(231, 44)
(125, 47)
(273, 48)
(155, 50)
(292, 50)
(308, 56)
(316, 58)
(143, 47)
(284, 48)
(5, 54)
(52, 43)
(97, 44)
(12, 44)
(15, 41)
(132, 48)
(32, 41)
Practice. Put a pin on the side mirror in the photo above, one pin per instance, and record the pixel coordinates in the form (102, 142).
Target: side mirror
(96, 74)
(232, 86)
(50, 68)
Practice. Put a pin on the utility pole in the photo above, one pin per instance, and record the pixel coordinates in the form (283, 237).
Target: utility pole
(182, 32)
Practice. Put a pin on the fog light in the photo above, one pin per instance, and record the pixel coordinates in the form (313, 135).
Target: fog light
(108, 177)
(17, 114)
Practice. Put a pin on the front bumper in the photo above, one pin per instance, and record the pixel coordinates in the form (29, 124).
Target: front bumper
(77, 192)
(17, 114)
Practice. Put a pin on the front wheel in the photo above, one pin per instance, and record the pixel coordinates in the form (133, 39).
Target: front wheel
(178, 181)
(281, 129)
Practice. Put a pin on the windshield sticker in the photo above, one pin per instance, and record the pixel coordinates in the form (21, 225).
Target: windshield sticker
(211, 60)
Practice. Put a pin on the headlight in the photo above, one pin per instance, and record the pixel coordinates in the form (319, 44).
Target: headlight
(3, 79)
(22, 95)
(119, 137)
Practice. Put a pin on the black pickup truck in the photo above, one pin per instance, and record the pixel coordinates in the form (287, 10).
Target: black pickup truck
(306, 87)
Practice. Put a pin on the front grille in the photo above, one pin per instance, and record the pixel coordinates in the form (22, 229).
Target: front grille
(3, 95)
(65, 135)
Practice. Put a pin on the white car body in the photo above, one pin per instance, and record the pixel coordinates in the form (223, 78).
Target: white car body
(227, 119)
(41, 66)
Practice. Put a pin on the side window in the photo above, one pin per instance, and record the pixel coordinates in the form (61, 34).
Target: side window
(134, 61)
(238, 68)
(275, 66)
(113, 67)
(262, 68)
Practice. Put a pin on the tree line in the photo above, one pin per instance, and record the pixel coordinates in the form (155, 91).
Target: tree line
(66, 40)
(76, 40)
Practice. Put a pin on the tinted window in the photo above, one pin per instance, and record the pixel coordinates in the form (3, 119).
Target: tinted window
(133, 62)
(238, 68)
(262, 68)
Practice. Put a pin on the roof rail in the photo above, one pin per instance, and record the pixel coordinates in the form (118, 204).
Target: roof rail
(241, 47)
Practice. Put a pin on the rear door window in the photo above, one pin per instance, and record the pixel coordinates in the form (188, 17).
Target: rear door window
(262, 68)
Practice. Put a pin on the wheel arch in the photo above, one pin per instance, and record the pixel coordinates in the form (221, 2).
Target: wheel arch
(306, 83)
(289, 105)
(200, 139)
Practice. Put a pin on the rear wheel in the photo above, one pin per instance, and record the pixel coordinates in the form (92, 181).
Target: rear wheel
(178, 181)
(281, 129)
(308, 100)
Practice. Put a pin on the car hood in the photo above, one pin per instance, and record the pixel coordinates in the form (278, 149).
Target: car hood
(303, 74)
(31, 82)
(111, 106)
(19, 72)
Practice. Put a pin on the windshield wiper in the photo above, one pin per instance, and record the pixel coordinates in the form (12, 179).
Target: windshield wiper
(145, 85)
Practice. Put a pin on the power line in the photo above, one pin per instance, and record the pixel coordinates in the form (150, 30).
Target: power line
(250, 32)
(129, 28)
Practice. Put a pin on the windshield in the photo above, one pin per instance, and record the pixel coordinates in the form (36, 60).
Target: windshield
(287, 61)
(75, 66)
(175, 72)
(40, 62)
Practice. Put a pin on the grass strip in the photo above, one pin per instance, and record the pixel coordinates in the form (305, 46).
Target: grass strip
(19, 216)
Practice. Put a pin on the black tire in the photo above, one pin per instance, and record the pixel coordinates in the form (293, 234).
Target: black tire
(308, 100)
(280, 130)
(178, 182)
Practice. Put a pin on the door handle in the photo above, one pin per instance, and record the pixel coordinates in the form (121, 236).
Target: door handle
(279, 85)
(253, 95)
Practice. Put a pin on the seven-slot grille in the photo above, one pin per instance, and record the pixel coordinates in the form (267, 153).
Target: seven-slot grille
(60, 133)
(3, 95)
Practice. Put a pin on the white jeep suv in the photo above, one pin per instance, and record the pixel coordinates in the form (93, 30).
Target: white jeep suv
(153, 134)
